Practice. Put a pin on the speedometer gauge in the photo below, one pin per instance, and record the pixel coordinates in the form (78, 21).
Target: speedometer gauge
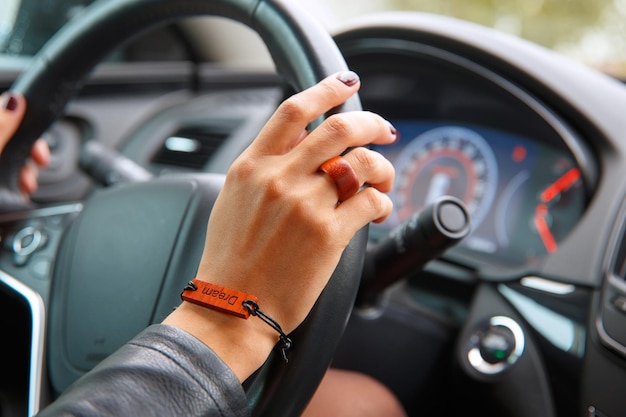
(448, 160)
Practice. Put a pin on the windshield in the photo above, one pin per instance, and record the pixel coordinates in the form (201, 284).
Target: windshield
(593, 32)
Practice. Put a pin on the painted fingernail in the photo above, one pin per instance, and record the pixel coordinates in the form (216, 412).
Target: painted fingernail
(393, 131)
(349, 78)
(9, 102)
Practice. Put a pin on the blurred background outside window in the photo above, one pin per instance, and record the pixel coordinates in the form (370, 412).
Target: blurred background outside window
(591, 31)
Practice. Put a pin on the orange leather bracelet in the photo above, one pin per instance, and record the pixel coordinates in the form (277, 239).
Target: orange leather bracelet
(217, 297)
(233, 302)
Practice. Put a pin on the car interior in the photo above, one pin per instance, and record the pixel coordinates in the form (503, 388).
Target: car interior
(523, 315)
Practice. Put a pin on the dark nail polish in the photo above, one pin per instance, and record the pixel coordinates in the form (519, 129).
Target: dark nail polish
(9, 102)
(393, 131)
(349, 78)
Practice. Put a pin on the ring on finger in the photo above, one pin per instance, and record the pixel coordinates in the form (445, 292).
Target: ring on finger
(342, 174)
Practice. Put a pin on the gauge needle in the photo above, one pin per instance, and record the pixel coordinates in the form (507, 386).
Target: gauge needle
(439, 184)
(564, 182)
(543, 229)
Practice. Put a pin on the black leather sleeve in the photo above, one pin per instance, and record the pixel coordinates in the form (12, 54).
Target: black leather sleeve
(164, 371)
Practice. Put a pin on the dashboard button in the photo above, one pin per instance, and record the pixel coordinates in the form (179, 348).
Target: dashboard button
(25, 242)
(495, 346)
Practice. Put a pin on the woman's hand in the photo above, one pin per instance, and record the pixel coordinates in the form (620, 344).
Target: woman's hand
(12, 109)
(277, 229)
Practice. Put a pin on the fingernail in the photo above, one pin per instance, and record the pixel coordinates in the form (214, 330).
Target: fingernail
(349, 78)
(393, 131)
(9, 102)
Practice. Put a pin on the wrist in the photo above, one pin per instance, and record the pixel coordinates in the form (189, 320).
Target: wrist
(242, 344)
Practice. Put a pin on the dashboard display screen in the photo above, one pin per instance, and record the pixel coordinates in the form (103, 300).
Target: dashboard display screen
(524, 196)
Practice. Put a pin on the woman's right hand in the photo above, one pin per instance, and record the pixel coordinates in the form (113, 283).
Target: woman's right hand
(277, 229)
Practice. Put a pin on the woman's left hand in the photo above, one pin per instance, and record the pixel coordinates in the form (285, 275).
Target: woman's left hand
(12, 109)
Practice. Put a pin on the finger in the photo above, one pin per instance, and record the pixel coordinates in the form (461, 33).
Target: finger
(342, 131)
(371, 168)
(28, 178)
(12, 109)
(40, 153)
(287, 124)
(368, 205)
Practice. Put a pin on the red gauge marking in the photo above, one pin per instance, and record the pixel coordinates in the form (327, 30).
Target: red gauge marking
(543, 229)
(562, 184)
(519, 153)
(451, 172)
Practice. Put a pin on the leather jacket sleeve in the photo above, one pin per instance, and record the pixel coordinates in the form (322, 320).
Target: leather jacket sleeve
(164, 371)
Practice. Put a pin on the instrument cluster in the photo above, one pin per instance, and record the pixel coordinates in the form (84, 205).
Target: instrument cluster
(468, 131)
(524, 196)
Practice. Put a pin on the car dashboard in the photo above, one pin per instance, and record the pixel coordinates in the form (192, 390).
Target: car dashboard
(531, 143)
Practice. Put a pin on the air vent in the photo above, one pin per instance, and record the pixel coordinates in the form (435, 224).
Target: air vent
(191, 146)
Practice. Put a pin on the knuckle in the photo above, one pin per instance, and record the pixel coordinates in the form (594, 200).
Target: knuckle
(292, 110)
(366, 160)
(325, 230)
(329, 90)
(375, 201)
(267, 183)
(304, 212)
(338, 126)
(242, 168)
(275, 187)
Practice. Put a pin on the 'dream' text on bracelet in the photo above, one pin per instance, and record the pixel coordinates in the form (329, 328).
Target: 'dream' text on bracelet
(221, 295)
(217, 297)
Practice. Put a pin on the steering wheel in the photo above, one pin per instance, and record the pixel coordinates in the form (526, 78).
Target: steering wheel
(151, 233)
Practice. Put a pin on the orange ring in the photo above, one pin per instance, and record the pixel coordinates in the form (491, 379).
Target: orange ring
(342, 174)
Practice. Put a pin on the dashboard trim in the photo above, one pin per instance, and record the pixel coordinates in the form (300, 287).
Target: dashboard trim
(546, 285)
(37, 308)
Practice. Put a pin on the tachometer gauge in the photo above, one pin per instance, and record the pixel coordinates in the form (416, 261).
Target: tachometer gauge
(448, 160)
(551, 197)
(539, 206)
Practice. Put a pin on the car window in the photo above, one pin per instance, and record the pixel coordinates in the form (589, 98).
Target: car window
(28, 24)
(589, 31)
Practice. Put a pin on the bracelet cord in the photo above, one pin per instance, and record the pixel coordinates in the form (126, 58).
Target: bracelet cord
(285, 342)
(224, 299)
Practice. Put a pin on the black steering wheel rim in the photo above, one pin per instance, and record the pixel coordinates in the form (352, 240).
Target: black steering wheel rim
(303, 53)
